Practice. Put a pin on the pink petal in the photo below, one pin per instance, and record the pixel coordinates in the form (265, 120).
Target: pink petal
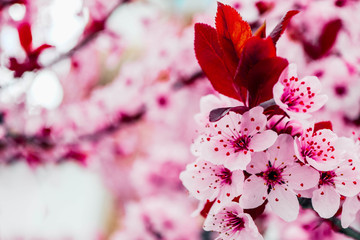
(282, 151)
(254, 193)
(301, 177)
(297, 148)
(322, 165)
(278, 90)
(351, 208)
(217, 152)
(326, 201)
(347, 181)
(319, 101)
(253, 121)
(235, 189)
(192, 179)
(239, 161)
(284, 203)
(258, 163)
(262, 141)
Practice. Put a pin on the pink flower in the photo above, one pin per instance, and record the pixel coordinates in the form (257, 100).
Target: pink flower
(206, 181)
(321, 149)
(298, 97)
(232, 139)
(276, 177)
(344, 180)
(232, 224)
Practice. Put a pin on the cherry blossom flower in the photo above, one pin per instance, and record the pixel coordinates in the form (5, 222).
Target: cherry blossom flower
(231, 140)
(275, 177)
(207, 181)
(344, 180)
(321, 149)
(297, 97)
(232, 224)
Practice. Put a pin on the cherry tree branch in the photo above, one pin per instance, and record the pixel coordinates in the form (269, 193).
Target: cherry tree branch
(98, 27)
(305, 203)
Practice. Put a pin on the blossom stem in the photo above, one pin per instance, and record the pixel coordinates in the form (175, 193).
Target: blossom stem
(205, 235)
(350, 232)
(273, 127)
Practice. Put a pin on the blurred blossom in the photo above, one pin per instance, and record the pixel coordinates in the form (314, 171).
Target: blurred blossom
(163, 119)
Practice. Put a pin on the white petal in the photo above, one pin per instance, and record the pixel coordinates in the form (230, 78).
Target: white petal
(263, 140)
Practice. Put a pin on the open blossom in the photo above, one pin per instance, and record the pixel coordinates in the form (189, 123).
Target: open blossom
(297, 97)
(322, 149)
(344, 180)
(232, 139)
(206, 181)
(232, 224)
(276, 176)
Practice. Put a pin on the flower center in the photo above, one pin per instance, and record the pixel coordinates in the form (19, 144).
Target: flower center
(234, 222)
(242, 143)
(225, 176)
(273, 176)
(327, 178)
(307, 151)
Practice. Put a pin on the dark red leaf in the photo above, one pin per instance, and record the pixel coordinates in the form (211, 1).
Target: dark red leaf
(323, 125)
(232, 32)
(263, 6)
(218, 113)
(211, 60)
(329, 34)
(25, 36)
(261, 31)
(281, 26)
(262, 77)
(325, 42)
(255, 50)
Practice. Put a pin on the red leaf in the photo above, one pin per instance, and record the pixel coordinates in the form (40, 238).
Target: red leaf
(232, 32)
(263, 6)
(211, 60)
(281, 26)
(262, 77)
(329, 34)
(255, 50)
(261, 31)
(326, 40)
(25, 36)
(323, 125)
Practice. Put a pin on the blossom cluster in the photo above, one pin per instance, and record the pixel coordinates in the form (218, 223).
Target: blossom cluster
(260, 145)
